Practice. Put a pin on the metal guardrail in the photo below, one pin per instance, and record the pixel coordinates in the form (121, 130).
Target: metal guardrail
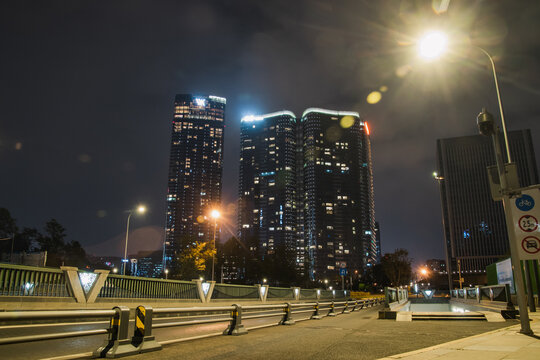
(497, 293)
(19, 280)
(119, 343)
(121, 286)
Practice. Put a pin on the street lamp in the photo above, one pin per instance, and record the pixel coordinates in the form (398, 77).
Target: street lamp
(166, 273)
(215, 214)
(434, 44)
(141, 209)
(431, 46)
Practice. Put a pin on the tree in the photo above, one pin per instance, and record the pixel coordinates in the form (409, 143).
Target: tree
(397, 267)
(193, 260)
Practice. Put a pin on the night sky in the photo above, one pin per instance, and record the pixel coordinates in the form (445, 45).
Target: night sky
(87, 91)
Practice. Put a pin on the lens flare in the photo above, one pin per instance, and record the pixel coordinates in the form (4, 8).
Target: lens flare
(374, 97)
(346, 122)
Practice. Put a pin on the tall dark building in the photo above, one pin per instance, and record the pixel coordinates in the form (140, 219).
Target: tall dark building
(339, 215)
(195, 170)
(267, 208)
(474, 224)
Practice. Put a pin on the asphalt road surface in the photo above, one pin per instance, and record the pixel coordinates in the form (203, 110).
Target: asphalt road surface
(358, 335)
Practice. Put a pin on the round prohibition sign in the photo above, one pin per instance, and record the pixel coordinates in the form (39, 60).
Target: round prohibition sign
(531, 245)
(528, 223)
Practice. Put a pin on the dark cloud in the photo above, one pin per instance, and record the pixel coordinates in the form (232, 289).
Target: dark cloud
(87, 90)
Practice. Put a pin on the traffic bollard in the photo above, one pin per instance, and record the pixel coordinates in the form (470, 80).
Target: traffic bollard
(142, 338)
(316, 315)
(287, 316)
(235, 326)
(331, 312)
(118, 344)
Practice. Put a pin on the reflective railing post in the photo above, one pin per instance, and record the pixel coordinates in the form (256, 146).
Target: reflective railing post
(118, 344)
(142, 338)
(316, 315)
(287, 315)
(331, 312)
(235, 326)
(355, 304)
(346, 308)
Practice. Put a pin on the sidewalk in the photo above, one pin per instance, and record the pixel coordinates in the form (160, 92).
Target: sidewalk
(506, 343)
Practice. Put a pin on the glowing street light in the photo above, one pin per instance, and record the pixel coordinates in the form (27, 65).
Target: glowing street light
(141, 209)
(432, 45)
(215, 214)
(166, 273)
(423, 271)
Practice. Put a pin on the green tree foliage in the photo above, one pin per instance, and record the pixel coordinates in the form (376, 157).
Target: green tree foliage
(194, 260)
(397, 267)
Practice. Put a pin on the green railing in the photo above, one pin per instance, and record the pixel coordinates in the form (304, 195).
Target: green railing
(119, 286)
(20, 280)
(308, 294)
(280, 293)
(228, 291)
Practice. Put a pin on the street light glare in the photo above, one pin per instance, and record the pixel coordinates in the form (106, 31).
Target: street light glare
(215, 214)
(141, 209)
(432, 45)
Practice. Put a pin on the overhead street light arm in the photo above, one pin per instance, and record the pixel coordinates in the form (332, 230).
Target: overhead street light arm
(498, 99)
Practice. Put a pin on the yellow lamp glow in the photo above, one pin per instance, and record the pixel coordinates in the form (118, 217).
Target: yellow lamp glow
(432, 45)
(215, 214)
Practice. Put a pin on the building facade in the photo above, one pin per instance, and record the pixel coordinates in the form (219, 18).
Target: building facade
(473, 223)
(267, 205)
(339, 215)
(195, 171)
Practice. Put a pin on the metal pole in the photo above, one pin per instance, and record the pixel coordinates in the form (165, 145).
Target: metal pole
(459, 274)
(537, 279)
(11, 254)
(214, 252)
(499, 101)
(125, 248)
(516, 264)
(528, 280)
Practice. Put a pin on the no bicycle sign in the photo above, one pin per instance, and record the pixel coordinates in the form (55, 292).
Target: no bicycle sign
(526, 212)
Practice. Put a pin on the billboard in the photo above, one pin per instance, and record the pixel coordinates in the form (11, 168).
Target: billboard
(504, 274)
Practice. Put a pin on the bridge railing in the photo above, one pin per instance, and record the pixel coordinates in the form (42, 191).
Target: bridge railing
(131, 287)
(494, 293)
(20, 280)
(395, 295)
(88, 287)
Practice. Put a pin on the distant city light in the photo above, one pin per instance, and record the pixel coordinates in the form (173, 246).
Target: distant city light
(200, 102)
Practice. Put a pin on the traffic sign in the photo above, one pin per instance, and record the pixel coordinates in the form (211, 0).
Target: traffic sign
(343, 272)
(525, 213)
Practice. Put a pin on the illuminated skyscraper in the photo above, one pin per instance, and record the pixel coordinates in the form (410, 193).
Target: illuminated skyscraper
(474, 224)
(267, 209)
(195, 170)
(339, 215)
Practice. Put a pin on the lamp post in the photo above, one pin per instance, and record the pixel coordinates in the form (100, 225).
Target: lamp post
(440, 179)
(215, 214)
(141, 209)
(432, 46)
(166, 273)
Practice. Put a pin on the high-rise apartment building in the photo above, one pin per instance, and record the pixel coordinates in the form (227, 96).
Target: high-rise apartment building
(267, 205)
(339, 215)
(195, 170)
(474, 224)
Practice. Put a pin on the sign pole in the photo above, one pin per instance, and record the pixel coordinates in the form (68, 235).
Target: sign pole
(516, 265)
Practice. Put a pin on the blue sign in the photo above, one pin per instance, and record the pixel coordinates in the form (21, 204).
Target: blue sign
(525, 202)
(342, 271)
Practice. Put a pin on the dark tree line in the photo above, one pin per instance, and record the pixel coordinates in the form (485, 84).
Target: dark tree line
(52, 239)
(194, 259)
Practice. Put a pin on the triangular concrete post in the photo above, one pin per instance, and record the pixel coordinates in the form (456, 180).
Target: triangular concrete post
(263, 292)
(205, 297)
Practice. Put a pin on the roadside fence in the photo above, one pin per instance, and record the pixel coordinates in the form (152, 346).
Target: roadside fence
(120, 343)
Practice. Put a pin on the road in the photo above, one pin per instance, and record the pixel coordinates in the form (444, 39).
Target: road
(357, 335)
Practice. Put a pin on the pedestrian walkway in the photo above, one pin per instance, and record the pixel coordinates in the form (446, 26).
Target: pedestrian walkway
(506, 343)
